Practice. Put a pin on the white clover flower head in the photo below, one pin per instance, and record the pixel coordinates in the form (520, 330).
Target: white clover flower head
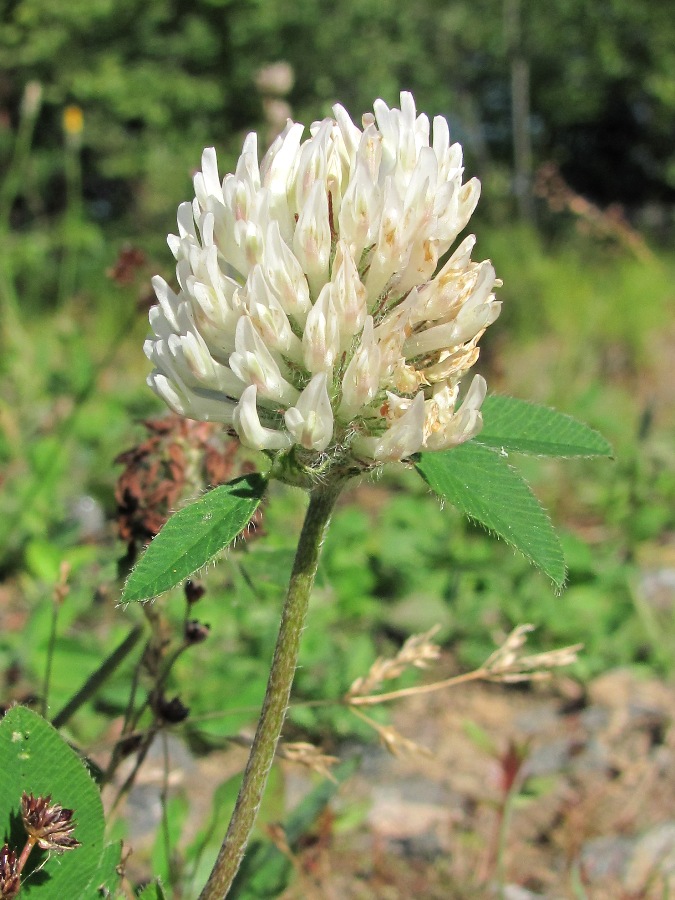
(309, 316)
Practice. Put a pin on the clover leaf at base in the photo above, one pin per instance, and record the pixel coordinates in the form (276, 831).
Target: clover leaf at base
(481, 484)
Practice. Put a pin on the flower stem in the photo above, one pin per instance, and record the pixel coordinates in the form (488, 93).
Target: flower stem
(25, 853)
(322, 500)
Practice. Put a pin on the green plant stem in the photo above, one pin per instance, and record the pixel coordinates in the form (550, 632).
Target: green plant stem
(10, 187)
(72, 223)
(321, 503)
(99, 677)
(51, 646)
(504, 823)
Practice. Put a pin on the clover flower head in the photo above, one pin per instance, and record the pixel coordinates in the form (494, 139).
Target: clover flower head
(310, 313)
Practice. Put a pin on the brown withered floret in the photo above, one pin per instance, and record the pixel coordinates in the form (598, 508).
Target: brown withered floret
(195, 632)
(49, 824)
(10, 882)
(178, 460)
(194, 591)
(126, 267)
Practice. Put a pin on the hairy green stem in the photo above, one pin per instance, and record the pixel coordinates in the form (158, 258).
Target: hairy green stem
(321, 503)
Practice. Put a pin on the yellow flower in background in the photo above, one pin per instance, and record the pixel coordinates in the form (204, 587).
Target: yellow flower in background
(73, 122)
(309, 314)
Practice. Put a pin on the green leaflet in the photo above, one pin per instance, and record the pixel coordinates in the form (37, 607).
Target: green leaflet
(194, 536)
(521, 427)
(483, 486)
(35, 758)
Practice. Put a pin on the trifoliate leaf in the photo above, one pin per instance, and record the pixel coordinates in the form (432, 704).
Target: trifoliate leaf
(483, 486)
(194, 536)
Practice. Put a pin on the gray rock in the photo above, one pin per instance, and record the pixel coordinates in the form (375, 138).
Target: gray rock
(605, 857)
(654, 853)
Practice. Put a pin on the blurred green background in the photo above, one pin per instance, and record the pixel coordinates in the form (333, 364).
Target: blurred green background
(566, 111)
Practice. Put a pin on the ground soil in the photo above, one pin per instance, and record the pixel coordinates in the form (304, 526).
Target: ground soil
(592, 811)
(591, 802)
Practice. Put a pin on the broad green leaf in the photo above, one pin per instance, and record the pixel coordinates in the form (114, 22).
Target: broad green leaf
(194, 536)
(521, 427)
(482, 485)
(35, 758)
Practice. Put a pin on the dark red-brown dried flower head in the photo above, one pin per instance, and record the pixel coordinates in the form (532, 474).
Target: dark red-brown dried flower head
(49, 824)
(178, 460)
(127, 265)
(10, 883)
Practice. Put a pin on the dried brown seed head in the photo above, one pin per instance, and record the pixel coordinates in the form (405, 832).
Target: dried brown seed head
(194, 591)
(196, 632)
(10, 883)
(172, 711)
(49, 824)
(178, 459)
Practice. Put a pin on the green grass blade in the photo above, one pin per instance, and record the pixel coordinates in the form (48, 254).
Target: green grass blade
(521, 427)
(194, 536)
(483, 486)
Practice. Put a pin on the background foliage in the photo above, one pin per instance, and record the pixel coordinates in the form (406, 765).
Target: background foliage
(158, 81)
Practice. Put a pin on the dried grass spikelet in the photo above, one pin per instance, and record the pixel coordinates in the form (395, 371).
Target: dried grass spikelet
(507, 664)
(392, 739)
(418, 651)
(398, 745)
(308, 755)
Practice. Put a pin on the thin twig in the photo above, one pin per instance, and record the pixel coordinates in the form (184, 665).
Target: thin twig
(372, 699)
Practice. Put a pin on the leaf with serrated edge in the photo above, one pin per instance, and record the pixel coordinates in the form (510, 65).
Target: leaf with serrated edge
(518, 426)
(193, 536)
(483, 486)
